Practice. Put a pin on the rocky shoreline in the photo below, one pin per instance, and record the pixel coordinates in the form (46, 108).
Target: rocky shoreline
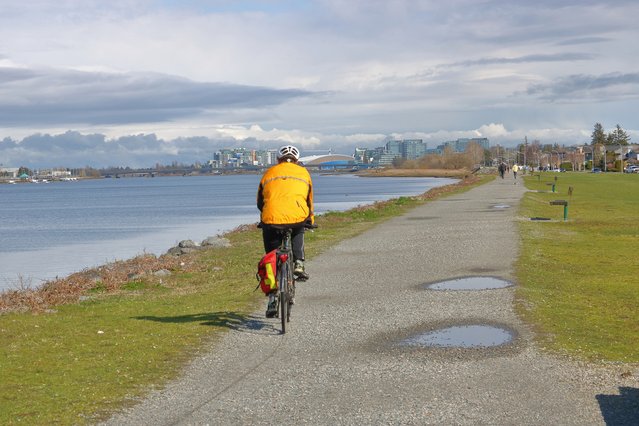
(109, 277)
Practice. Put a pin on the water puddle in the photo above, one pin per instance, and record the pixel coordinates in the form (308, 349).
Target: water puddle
(465, 336)
(501, 206)
(470, 283)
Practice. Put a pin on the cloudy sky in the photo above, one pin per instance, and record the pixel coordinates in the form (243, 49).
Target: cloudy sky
(135, 82)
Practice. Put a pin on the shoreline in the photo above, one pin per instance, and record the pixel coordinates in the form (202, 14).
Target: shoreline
(434, 173)
(112, 275)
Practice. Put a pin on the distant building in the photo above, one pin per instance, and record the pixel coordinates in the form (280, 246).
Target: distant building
(394, 147)
(222, 158)
(461, 144)
(412, 149)
(363, 155)
(386, 159)
(483, 142)
(10, 172)
(407, 149)
(368, 156)
(328, 162)
(242, 157)
(266, 158)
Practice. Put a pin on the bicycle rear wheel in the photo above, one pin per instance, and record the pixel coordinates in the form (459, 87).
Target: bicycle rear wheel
(283, 283)
(290, 296)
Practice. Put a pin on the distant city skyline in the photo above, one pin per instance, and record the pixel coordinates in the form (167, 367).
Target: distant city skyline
(131, 81)
(392, 148)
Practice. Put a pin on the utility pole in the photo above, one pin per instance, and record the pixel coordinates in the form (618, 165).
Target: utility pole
(525, 149)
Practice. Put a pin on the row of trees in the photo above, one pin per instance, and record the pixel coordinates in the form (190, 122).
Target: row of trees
(618, 136)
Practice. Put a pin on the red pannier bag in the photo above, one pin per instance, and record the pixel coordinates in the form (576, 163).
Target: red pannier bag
(267, 272)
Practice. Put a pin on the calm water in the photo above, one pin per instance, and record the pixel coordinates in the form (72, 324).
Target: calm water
(54, 229)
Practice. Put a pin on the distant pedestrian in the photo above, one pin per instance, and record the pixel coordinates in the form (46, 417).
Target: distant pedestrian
(515, 170)
(502, 169)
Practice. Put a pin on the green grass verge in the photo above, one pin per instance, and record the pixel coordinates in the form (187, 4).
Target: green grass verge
(579, 279)
(77, 363)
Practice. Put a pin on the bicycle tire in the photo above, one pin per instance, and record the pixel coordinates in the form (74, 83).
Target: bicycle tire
(290, 293)
(284, 312)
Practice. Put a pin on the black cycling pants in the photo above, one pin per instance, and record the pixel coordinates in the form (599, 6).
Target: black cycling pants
(273, 238)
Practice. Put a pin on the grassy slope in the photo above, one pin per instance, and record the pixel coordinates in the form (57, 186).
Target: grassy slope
(77, 362)
(580, 278)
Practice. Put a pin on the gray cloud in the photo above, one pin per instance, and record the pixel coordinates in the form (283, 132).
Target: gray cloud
(557, 57)
(583, 40)
(74, 149)
(580, 86)
(67, 97)
(517, 23)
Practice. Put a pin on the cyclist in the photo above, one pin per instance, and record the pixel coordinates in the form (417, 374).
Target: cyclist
(285, 200)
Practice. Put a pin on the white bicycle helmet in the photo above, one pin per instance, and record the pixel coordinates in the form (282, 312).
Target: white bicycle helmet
(288, 151)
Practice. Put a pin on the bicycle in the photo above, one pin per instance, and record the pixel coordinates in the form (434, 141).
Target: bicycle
(285, 277)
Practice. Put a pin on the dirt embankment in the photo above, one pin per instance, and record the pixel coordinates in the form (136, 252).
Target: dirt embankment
(456, 173)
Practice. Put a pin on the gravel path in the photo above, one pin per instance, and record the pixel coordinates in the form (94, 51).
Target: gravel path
(345, 363)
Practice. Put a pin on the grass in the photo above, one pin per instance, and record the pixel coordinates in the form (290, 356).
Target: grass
(579, 279)
(74, 358)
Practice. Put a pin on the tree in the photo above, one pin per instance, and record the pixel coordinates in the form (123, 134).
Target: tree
(397, 162)
(618, 137)
(24, 171)
(598, 135)
(475, 153)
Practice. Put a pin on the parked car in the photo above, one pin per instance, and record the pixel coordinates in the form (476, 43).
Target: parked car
(596, 170)
(632, 169)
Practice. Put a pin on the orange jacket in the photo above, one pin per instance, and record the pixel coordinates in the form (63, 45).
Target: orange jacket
(285, 195)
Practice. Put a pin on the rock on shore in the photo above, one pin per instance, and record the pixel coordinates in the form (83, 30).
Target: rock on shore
(189, 246)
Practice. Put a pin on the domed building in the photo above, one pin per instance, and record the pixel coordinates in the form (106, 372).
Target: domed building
(328, 161)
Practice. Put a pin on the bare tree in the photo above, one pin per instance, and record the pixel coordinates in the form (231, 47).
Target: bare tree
(475, 153)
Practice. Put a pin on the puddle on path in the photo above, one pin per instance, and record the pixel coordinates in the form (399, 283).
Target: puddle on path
(470, 283)
(464, 336)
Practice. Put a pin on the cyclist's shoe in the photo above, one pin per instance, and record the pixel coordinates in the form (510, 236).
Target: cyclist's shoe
(271, 308)
(299, 272)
